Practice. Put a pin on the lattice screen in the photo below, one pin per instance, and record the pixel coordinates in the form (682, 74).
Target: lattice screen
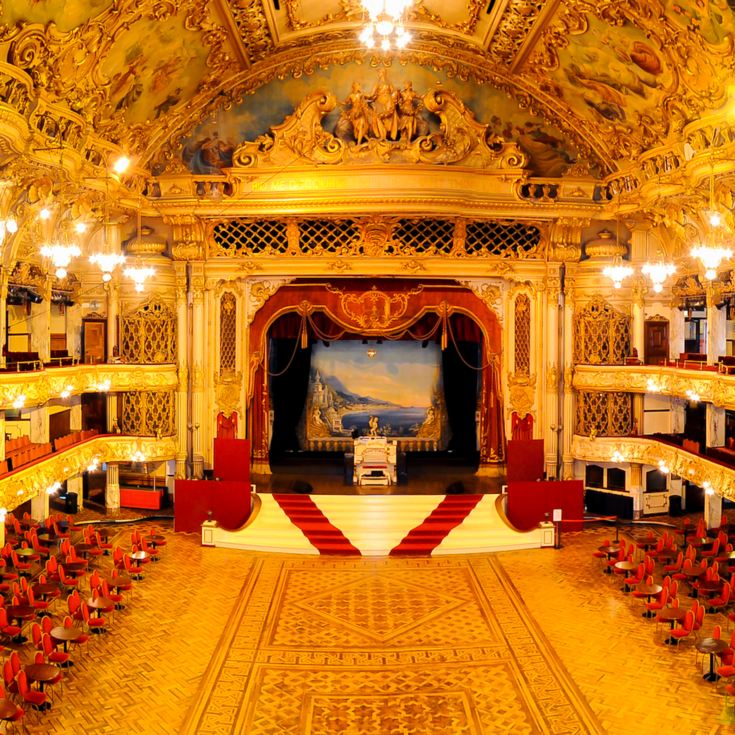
(148, 335)
(601, 335)
(227, 333)
(419, 236)
(522, 358)
(149, 413)
(604, 414)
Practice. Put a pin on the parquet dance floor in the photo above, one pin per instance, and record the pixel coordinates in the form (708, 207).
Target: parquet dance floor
(222, 641)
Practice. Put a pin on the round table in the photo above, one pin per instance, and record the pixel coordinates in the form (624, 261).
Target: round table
(49, 588)
(42, 673)
(83, 548)
(121, 581)
(8, 710)
(648, 591)
(610, 551)
(63, 634)
(693, 574)
(626, 566)
(155, 538)
(672, 615)
(25, 552)
(100, 603)
(20, 613)
(139, 555)
(74, 567)
(712, 646)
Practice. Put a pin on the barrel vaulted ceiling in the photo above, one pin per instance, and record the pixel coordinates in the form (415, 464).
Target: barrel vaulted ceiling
(616, 78)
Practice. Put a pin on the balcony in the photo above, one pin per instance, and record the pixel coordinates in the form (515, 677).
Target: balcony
(27, 482)
(711, 385)
(40, 386)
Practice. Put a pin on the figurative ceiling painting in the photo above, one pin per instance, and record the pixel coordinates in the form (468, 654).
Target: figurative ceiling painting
(152, 67)
(64, 14)
(209, 149)
(615, 73)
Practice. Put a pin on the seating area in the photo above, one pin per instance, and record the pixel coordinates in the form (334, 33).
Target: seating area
(683, 581)
(61, 358)
(63, 588)
(75, 437)
(22, 361)
(20, 451)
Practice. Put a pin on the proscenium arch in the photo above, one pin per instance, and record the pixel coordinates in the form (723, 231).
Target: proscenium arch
(443, 298)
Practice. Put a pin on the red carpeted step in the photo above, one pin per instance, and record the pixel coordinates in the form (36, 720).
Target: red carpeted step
(425, 537)
(303, 513)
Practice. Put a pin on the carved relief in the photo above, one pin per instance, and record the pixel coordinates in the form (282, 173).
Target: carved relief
(521, 394)
(227, 393)
(257, 293)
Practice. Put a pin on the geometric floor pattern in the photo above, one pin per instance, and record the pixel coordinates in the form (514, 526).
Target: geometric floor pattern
(226, 641)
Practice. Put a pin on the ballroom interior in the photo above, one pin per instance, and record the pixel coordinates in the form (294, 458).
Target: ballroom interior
(461, 225)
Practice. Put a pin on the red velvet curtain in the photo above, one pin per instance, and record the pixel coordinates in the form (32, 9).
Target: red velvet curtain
(380, 308)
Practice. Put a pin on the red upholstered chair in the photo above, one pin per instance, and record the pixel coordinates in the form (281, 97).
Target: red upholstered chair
(634, 578)
(53, 656)
(114, 596)
(104, 545)
(675, 566)
(83, 639)
(22, 567)
(6, 627)
(714, 551)
(679, 634)
(122, 587)
(52, 569)
(68, 583)
(11, 719)
(134, 570)
(37, 636)
(94, 624)
(74, 605)
(41, 606)
(32, 697)
(721, 602)
(9, 677)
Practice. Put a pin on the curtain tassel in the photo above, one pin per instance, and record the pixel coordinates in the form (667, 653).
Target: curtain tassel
(304, 336)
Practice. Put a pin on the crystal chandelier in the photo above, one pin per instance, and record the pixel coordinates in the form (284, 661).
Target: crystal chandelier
(386, 27)
(617, 273)
(107, 263)
(658, 273)
(7, 226)
(712, 255)
(60, 255)
(140, 275)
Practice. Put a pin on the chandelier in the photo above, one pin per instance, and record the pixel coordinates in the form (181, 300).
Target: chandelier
(712, 255)
(140, 275)
(658, 273)
(7, 226)
(617, 273)
(60, 255)
(107, 263)
(386, 27)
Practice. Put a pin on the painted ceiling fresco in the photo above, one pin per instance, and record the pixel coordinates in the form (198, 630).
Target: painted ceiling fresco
(577, 80)
(209, 148)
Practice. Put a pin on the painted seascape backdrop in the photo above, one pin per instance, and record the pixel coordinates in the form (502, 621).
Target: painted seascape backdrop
(400, 385)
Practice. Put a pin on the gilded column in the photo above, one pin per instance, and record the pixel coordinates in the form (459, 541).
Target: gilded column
(76, 485)
(40, 506)
(197, 285)
(41, 323)
(209, 368)
(712, 509)
(716, 317)
(113, 311)
(112, 490)
(182, 347)
(552, 427)
(638, 317)
(568, 366)
(3, 310)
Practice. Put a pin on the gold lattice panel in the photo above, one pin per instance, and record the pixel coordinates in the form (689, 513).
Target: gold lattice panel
(419, 647)
(227, 332)
(604, 414)
(148, 335)
(522, 358)
(149, 413)
(405, 237)
(601, 334)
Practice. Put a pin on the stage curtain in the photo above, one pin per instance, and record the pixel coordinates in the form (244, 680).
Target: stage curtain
(460, 395)
(289, 366)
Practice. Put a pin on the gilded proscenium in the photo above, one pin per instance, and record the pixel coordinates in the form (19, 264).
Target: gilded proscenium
(712, 387)
(43, 385)
(27, 483)
(638, 450)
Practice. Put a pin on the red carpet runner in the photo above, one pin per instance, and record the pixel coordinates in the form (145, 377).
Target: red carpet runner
(423, 539)
(304, 514)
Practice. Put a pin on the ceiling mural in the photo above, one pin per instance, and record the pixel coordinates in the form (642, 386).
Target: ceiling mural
(615, 74)
(153, 66)
(64, 14)
(209, 148)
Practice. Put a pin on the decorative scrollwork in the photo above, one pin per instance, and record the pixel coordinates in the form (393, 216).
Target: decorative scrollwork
(601, 334)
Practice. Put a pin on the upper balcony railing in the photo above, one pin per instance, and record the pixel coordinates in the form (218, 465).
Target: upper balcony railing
(38, 386)
(712, 383)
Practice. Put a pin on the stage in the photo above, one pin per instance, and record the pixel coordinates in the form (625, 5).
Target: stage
(423, 475)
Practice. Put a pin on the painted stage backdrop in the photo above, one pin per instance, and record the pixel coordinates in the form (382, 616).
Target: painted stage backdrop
(395, 393)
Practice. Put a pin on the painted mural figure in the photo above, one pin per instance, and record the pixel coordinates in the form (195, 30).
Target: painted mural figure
(373, 426)
(385, 108)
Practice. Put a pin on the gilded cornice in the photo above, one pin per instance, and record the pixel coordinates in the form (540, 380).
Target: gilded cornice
(41, 386)
(639, 450)
(25, 484)
(712, 387)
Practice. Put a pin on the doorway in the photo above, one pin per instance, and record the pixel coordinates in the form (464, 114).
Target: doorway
(656, 341)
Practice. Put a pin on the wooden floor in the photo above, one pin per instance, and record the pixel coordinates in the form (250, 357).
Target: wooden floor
(221, 641)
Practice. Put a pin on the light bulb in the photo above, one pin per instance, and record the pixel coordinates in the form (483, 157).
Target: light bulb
(11, 226)
(106, 277)
(45, 213)
(121, 165)
(80, 227)
(715, 219)
(61, 273)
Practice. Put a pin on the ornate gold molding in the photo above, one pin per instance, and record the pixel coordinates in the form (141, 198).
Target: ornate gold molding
(639, 450)
(41, 386)
(227, 390)
(711, 386)
(521, 394)
(27, 483)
